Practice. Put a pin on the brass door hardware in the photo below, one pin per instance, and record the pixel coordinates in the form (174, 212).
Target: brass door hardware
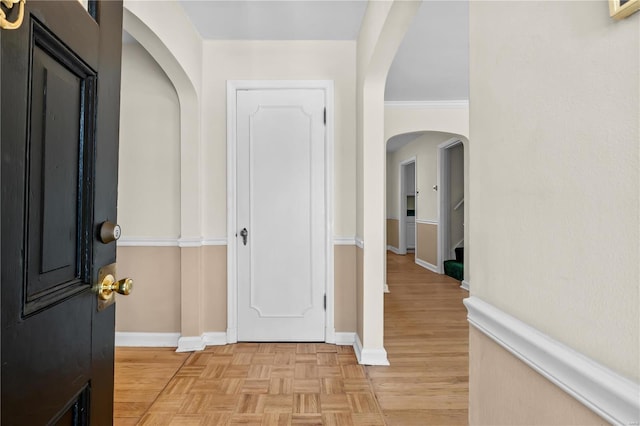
(5, 24)
(108, 285)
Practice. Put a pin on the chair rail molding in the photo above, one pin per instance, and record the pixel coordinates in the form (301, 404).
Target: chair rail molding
(613, 397)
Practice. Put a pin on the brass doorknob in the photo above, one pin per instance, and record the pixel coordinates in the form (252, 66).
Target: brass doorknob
(110, 285)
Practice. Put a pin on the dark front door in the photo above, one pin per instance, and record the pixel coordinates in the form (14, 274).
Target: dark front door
(60, 90)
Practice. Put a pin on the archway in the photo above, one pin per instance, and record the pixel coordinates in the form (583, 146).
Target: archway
(147, 26)
(424, 148)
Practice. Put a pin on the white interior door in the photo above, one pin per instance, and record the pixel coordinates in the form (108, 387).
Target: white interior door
(280, 203)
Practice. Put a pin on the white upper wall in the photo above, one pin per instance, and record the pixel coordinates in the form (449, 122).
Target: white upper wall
(555, 183)
(277, 60)
(431, 63)
(276, 20)
(149, 170)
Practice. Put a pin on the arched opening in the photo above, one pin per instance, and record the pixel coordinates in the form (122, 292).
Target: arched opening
(159, 184)
(422, 179)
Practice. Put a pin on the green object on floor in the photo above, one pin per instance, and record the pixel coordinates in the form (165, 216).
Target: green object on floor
(454, 269)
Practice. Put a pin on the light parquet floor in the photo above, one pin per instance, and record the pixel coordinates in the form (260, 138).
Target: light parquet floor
(426, 337)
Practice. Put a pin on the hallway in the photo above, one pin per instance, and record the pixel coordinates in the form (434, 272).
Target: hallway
(427, 342)
(281, 384)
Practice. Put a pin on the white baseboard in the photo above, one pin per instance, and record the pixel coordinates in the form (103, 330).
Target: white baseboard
(232, 335)
(345, 338)
(153, 340)
(214, 338)
(395, 250)
(191, 344)
(465, 285)
(386, 288)
(427, 265)
(198, 343)
(611, 396)
(369, 356)
(357, 347)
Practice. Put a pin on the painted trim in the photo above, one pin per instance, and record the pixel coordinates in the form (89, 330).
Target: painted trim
(465, 285)
(214, 338)
(609, 395)
(345, 338)
(395, 250)
(392, 218)
(344, 241)
(357, 347)
(157, 340)
(189, 242)
(402, 203)
(427, 222)
(147, 242)
(232, 335)
(198, 343)
(427, 265)
(444, 104)
(386, 288)
(442, 165)
(170, 242)
(214, 242)
(233, 86)
(369, 356)
(190, 344)
(359, 242)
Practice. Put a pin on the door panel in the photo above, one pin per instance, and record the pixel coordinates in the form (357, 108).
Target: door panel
(60, 153)
(281, 178)
(57, 127)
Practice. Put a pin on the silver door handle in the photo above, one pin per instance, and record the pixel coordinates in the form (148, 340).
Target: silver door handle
(244, 233)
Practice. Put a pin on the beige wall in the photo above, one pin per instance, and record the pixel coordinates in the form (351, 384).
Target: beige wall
(393, 236)
(555, 183)
(149, 193)
(149, 170)
(427, 243)
(505, 391)
(154, 304)
(215, 288)
(277, 60)
(345, 288)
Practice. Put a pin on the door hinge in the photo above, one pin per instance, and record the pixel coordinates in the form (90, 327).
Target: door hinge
(325, 116)
(325, 302)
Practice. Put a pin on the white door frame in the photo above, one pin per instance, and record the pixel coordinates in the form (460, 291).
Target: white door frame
(444, 200)
(232, 282)
(402, 237)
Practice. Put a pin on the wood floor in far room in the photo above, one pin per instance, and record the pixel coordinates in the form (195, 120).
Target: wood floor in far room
(426, 337)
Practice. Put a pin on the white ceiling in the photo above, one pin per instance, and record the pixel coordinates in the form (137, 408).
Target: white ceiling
(431, 64)
(276, 20)
(397, 142)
